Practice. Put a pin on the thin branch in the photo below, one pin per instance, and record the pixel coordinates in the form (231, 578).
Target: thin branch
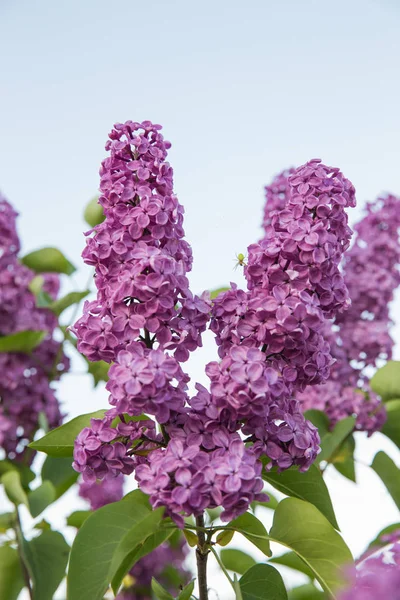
(201, 556)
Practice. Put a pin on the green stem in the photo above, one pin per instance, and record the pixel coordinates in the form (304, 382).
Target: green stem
(219, 561)
(20, 542)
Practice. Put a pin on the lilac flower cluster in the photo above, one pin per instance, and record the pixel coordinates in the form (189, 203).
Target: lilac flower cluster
(270, 337)
(139, 254)
(170, 554)
(378, 576)
(360, 337)
(100, 493)
(25, 390)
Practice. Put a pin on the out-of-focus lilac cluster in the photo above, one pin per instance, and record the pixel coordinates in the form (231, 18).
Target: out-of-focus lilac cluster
(100, 493)
(165, 563)
(25, 389)
(378, 576)
(360, 337)
(146, 321)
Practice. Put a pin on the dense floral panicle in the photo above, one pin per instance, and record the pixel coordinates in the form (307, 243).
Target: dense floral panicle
(360, 336)
(99, 493)
(378, 576)
(186, 477)
(25, 391)
(139, 254)
(9, 241)
(270, 337)
(276, 195)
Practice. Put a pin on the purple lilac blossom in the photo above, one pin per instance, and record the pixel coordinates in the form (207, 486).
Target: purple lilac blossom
(25, 389)
(100, 493)
(271, 338)
(145, 320)
(377, 576)
(360, 337)
(140, 257)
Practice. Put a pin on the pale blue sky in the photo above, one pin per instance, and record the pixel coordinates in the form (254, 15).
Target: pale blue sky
(243, 89)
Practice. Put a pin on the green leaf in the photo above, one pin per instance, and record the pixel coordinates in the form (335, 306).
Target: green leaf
(187, 591)
(319, 419)
(224, 537)
(308, 486)
(23, 341)
(127, 552)
(94, 214)
(262, 582)
(6, 522)
(331, 441)
(160, 592)
(252, 528)
(60, 441)
(78, 517)
(388, 471)
(40, 498)
(391, 427)
(299, 526)
(43, 525)
(11, 577)
(191, 537)
(386, 381)
(306, 592)
(26, 474)
(293, 561)
(344, 459)
(109, 529)
(47, 557)
(58, 306)
(218, 291)
(99, 371)
(13, 488)
(36, 285)
(236, 560)
(48, 260)
(60, 473)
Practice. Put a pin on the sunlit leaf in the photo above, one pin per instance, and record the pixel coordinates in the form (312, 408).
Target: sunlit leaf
(60, 442)
(299, 526)
(252, 528)
(48, 260)
(309, 486)
(23, 341)
(262, 582)
(40, 498)
(236, 560)
(389, 472)
(386, 381)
